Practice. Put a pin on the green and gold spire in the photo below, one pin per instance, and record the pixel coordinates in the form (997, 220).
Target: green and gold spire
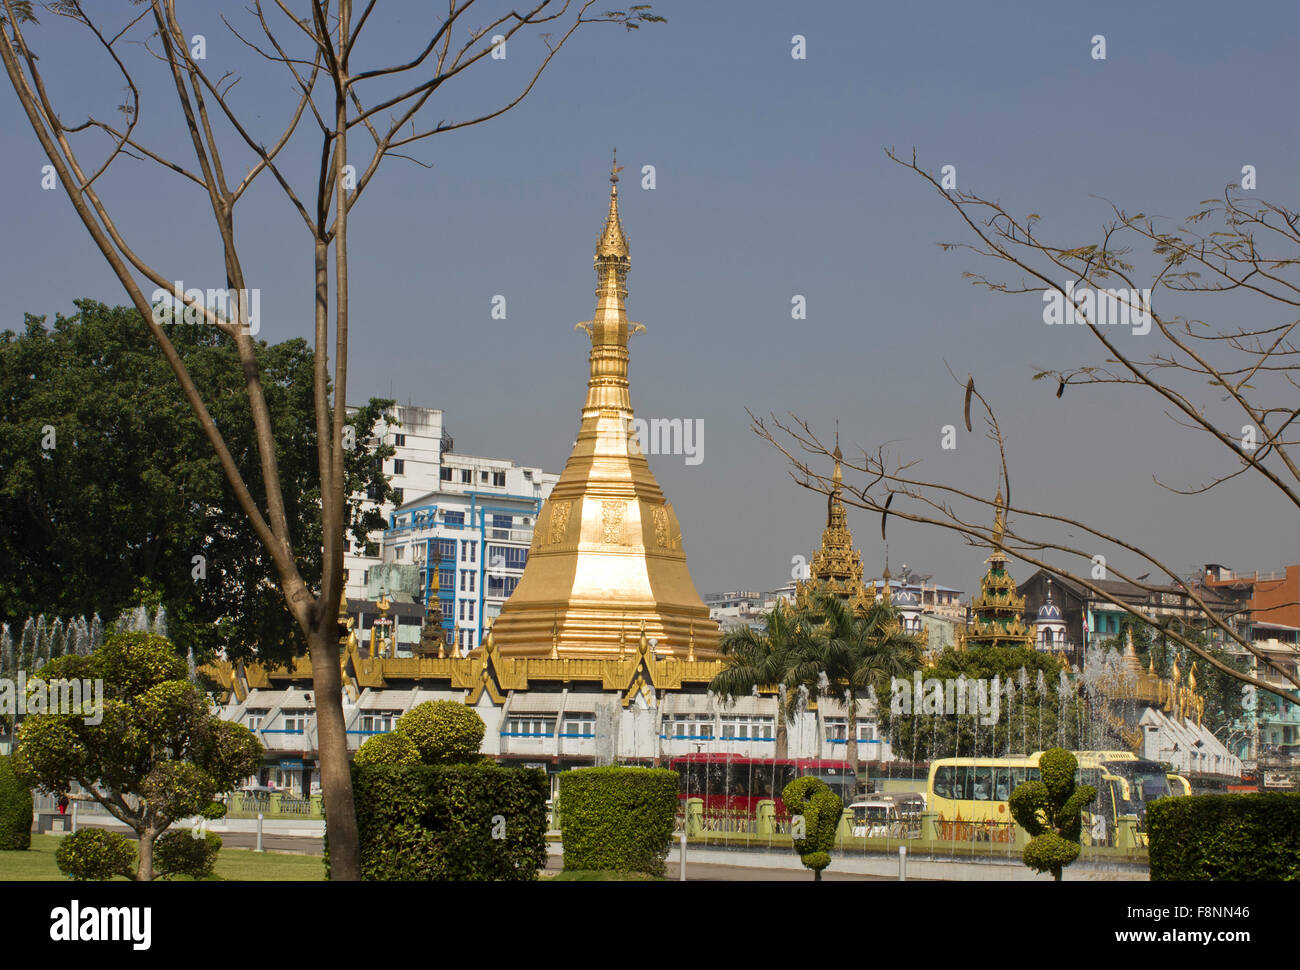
(998, 613)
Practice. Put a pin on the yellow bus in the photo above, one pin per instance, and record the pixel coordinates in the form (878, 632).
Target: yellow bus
(1178, 785)
(970, 795)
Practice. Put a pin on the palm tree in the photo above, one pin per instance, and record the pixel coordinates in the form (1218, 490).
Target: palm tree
(857, 651)
(777, 657)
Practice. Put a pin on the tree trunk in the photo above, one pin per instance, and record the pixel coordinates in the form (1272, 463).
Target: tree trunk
(782, 724)
(852, 742)
(817, 875)
(144, 869)
(332, 748)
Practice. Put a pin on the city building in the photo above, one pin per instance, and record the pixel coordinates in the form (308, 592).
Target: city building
(419, 440)
(1089, 618)
(1265, 597)
(469, 538)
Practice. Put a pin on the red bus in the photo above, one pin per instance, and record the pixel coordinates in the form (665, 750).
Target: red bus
(734, 785)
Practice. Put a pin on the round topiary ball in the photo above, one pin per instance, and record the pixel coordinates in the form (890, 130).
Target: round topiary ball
(95, 854)
(15, 809)
(394, 748)
(443, 732)
(1056, 767)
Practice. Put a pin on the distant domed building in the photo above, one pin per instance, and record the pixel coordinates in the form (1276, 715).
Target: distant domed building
(1051, 635)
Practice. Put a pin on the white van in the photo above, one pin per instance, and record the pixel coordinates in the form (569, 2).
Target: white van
(876, 818)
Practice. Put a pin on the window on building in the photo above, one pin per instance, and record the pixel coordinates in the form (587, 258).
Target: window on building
(399, 466)
(378, 722)
(372, 492)
(499, 479)
(501, 586)
(399, 440)
(467, 636)
(746, 727)
(444, 473)
(578, 726)
(509, 557)
(453, 518)
(501, 525)
(469, 552)
(447, 550)
(530, 726)
(483, 477)
(295, 722)
(466, 476)
(254, 719)
(837, 729)
(468, 581)
(399, 552)
(690, 727)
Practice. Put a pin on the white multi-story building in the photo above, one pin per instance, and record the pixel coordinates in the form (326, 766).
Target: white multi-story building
(419, 440)
(472, 531)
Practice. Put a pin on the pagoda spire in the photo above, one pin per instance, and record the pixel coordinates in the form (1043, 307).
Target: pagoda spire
(607, 545)
(836, 567)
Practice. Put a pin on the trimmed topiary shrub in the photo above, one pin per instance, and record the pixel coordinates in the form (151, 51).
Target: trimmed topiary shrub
(617, 819)
(479, 821)
(443, 732)
(1246, 837)
(179, 853)
(96, 854)
(812, 800)
(393, 748)
(1051, 811)
(15, 809)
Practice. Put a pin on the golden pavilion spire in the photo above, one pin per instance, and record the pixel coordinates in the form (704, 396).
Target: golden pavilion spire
(836, 567)
(606, 544)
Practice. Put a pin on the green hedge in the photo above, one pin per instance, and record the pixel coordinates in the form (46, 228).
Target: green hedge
(1225, 837)
(618, 819)
(95, 854)
(179, 853)
(15, 809)
(480, 821)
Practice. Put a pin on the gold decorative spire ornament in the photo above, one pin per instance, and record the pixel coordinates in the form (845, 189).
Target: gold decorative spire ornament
(606, 543)
(836, 567)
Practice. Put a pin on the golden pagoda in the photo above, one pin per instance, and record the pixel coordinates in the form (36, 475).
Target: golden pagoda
(999, 611)
(836, 567)
(607, 547)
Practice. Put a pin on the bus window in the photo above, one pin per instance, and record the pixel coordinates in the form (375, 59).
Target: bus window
(785, 774)
(1001, 784)
(738, 780)
(983, 784)
(696, 779)
(762, 787)
(716, 780)
(943, 782)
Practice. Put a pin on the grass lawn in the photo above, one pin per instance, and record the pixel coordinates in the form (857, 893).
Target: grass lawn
(37, 864)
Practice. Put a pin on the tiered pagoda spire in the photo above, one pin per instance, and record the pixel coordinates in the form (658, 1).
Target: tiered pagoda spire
(836, 567)
(606, 545)
(998, 613)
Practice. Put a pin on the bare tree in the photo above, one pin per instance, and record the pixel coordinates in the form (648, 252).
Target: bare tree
(314, 44)
(1252, 369)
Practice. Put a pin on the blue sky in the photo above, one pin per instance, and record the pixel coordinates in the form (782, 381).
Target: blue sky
(771, 180)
